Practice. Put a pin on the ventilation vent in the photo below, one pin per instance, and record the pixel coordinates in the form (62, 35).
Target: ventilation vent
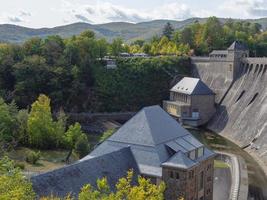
(265, 68)
(252, 100)
(240, 96)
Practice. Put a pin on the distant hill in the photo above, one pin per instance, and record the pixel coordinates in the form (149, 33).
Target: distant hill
(128, 31)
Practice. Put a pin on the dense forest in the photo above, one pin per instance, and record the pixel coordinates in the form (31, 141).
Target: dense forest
(73, 75)
(201, 39)
(72, 71)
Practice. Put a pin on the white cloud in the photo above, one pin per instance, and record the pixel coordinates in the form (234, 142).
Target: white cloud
(25, 13)
(14, 19)
(106, 12)
(245, 8)
(82, 18)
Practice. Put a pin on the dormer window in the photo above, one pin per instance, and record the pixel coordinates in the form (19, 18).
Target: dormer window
(192, 155)
(200, 152)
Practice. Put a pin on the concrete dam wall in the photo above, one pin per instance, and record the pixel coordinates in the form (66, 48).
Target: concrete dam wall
(241, 100)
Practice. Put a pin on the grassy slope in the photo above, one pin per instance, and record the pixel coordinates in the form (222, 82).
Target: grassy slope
(127, 31)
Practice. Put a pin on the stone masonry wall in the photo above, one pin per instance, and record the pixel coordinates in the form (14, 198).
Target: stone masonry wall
(188, 183)
(217, 74)
(205, 105)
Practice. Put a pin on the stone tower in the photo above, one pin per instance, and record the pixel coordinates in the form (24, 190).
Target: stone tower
(236, 52)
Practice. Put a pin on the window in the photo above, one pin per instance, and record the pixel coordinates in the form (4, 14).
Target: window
(191, 174)
(201, 181)
(230, 67)
(177, 176)
(171, 174)
(200, 152)
(209, 167)
(192, 155)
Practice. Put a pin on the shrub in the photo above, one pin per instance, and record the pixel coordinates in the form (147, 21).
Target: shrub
(106, 135)
(32, 157)
(19, 165)
(82, 146)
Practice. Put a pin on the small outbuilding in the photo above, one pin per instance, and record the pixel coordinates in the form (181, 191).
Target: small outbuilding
(191, 101)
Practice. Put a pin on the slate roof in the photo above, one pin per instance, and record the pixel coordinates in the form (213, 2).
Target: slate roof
(150, 127)
(181, 160)
(148, 141)
(192, 86)
(154, 137)
(236, 45)
(71, 178)
(220, 52)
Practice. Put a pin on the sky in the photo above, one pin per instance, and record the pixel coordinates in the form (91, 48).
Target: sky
(51, 13)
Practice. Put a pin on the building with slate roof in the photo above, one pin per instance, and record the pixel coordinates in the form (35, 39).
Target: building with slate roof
(153, 144)
(72, 178)
(191, 101)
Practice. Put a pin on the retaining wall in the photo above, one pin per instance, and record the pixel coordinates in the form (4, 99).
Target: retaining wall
(238, 167)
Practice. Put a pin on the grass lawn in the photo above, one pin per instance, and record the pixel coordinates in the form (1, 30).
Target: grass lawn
(50, 159)
(220, 164)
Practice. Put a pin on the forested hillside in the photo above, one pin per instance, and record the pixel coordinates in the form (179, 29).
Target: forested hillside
(72, 71)
(72, 74)
(127, 31)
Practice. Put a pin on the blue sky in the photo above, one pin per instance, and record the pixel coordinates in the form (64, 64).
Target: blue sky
(50, 13)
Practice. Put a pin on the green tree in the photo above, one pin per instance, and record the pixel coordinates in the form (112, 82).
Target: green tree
(72, 136)
(32, 78)
(187, 36)
(213, 34)
(144, 190)
(52, 49)
(22, 119)
(7, 122)
(82, 146)
(13, 185)
(33, 46)
(168, 30)
(116, 47)
(41, 128)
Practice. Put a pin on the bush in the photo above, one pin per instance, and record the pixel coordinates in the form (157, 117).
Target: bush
(106, 135)
(32, 157)
(19, 165)
(82, 146)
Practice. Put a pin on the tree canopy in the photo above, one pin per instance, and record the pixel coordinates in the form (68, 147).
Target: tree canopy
(13, 184)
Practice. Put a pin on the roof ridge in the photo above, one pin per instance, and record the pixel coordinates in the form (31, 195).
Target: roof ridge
(149, 126)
